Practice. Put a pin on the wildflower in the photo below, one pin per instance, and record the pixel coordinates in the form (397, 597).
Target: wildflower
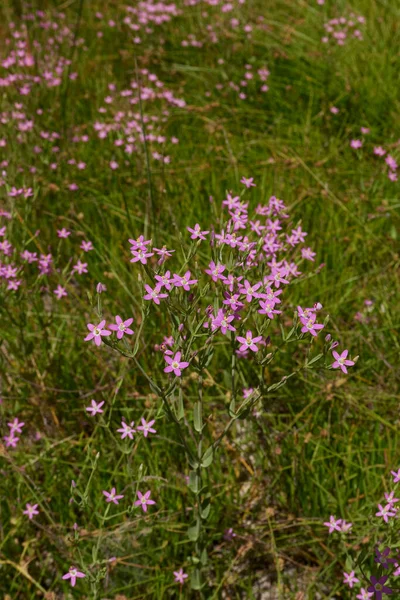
(97, 332)
(250, 290)
(386, 512)
(11, 441)
(350, 579)
(378, 586)
(364, 595)
(112, 496)
(175, 364)
(164, 253)
(140, 255)
(144, 500)
(164, 280)
(146, 427)
(63, 233)
(345, 526)
(379, 151)
(95, 408)
(139, 244)
(60, 292)
(215, 271)
(100, 287)
(382, 558)
(122, 327)
(184, 281)
(180, 576)
(155, 294)
(80, 268)
(126, 430)
(197, 233)
(229, 534)
(87, 246)
(16, 426)
(308, 254)
(356, 144)
(249, 342)
(31, 511)
(341, 361)
(310, 326)
(278, 276)
(73, 574)
(396, 476)
(267, 308)
(333, 524)
(334, 110)
(389, 497)
(248, 182)
(364, 130)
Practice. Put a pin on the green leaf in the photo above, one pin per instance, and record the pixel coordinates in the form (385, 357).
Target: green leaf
(204, 557)
(207, 457)
(232, 408)
(194, 482)
(180, 413)
(314, 360)
(205, 512)
(197, 417)
(195, 580)
(193, 533)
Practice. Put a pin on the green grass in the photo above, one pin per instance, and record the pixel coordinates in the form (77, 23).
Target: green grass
(323, 444)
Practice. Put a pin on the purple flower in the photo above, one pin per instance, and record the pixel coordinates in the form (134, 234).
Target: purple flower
(144, 500)
(378, 586)
(382, 558)
(175, 364)
(73, 574)
(97, 332)
(122, 327)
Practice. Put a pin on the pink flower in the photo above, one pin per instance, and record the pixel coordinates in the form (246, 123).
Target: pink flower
(396, 476)
(341, 361)
(197, 233)
(334, 110)
(248, 182)
(180, 576)
(364, 595)
(379, 151)
(249, 342)
(122, 327)
(333, 524)
(141, 255)
(250, 291)
(10, 440)
(97, 332)
(60, 292)
(80, 267)
(16, 426)
(184, 281)
(356, 144)
(175, 364)
(215, 271)
(386, 512)
(63, 233)
(31, 511)
(155, 294)
(146, 427)
(126, 430)
(73, 574)
(350, 579)
(112, 496)
(310, 326)
(87, 246)
(144, 500)
(95, 408)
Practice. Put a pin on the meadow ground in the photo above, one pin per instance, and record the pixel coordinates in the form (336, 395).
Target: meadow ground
(121, 120)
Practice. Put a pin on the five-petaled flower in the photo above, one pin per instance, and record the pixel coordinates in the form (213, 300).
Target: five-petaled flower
(73, 574)
(112, 496)
(155, 294)
(197, 233)
(175, 364)
(386, 512)
(378, 586)
(180, 576)
(31, 511)
(97, 332)
(144, 500)
(341, 361)
(95, 408)
(249, 342)
(146, 427)
(310, 326)
(333, 524)
(122, 327)
(350, 579)
(126, 430)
